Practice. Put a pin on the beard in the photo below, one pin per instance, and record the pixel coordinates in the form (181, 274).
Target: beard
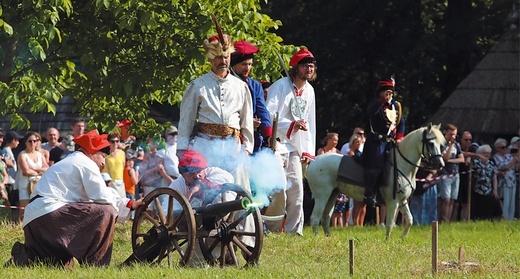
(305, 76)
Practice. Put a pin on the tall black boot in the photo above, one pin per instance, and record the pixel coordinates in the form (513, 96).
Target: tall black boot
(371, 178)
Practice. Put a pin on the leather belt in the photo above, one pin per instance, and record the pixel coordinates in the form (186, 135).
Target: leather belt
(35, 197)
(218, 130)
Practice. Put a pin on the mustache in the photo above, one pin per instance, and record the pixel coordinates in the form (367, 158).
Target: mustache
(222, 65)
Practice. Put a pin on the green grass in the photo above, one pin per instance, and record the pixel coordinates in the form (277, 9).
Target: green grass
(495, 247)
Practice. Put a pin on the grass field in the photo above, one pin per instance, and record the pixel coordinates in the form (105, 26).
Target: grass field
(494, 248)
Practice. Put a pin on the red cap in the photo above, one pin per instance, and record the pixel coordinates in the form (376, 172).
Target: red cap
(92, 141)
(243, 51)
(193, 159)
(245, 48)
(304, 56)
(124, 123)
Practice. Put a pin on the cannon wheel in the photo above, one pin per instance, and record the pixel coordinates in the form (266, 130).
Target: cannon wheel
(226, 240)
(156, 235)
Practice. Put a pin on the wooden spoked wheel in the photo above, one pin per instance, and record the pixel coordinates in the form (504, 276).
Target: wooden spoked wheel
(159, 231)
(237, 238)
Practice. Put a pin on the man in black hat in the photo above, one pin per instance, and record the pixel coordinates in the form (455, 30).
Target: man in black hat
(241, 63)
(385, 127)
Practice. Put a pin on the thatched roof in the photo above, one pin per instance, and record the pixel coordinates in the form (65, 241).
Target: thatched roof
(487, 101)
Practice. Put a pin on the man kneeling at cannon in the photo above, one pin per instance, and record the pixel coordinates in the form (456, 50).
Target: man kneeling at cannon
(72, 213)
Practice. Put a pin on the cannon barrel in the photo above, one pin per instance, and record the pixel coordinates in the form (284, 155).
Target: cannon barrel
(223, 208)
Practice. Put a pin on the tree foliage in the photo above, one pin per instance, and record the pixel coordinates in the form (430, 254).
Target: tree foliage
(358, 42)
(115, 58)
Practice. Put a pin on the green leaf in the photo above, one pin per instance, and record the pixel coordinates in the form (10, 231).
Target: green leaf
(8, 29)
(51, 108)
(128, 88)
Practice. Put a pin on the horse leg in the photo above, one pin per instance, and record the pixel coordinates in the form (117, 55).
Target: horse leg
(405, 210)
(321, 199)
(391, 211)
(325, 218)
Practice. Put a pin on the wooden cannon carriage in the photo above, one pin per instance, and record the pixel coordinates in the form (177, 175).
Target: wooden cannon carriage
(160, 232)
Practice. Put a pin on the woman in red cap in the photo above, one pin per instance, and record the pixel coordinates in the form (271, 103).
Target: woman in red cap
(293, 99)
(195, 181)
(195, 174)
(72, 213)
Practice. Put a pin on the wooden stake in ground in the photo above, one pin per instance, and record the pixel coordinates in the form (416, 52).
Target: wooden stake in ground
(378, 220)
(351, 252)
(435, 252)
(462, 257)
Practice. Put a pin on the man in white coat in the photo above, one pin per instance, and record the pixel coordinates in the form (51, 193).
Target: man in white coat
(293, 99)
(72, 213)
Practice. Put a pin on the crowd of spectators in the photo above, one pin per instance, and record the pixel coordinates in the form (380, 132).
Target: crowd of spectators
(486, 180)
(480, 182)
(130, 168)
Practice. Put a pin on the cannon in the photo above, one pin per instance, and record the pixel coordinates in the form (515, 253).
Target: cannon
(217, 227)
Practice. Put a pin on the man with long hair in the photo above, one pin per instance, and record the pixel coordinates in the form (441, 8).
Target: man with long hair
(293, 99)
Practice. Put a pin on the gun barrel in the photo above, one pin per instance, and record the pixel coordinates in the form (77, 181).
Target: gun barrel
(224, 207)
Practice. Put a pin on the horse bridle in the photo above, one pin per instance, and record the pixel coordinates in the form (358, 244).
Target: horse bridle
(429, 164)
(425, 146)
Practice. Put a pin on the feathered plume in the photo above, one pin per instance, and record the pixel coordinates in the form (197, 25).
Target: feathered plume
(220, 44)
(219, 32)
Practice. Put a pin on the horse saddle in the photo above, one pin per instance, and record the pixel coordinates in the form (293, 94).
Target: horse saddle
(351, 171)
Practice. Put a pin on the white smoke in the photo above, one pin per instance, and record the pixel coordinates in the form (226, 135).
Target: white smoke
(266, 175)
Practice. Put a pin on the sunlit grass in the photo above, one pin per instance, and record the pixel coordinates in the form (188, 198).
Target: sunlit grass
(494, 247)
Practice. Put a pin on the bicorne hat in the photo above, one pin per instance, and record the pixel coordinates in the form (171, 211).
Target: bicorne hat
(385, 84)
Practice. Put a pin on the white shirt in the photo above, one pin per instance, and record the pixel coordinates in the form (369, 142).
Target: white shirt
(76, 178)
(345, 149)
(280, 98)
(214, 100)
(170, 159)
(8, 153)
(47, 146)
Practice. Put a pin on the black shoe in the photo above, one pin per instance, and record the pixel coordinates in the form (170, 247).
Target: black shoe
(19, 255)
(8, 263)
(370, 202)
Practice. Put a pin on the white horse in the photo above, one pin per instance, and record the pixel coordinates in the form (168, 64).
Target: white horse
(322, 177)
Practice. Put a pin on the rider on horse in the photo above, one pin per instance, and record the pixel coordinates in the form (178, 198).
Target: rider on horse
(385, 127)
